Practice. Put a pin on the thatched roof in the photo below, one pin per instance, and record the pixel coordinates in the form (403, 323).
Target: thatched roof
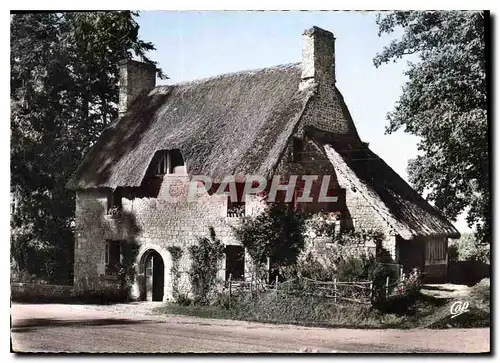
(384, 190)
(239, 124)
(233, 124)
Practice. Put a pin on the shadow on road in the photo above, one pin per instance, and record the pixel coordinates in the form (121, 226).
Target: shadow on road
(28, 325)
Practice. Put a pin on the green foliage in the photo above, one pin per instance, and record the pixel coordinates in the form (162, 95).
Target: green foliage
(323, 224)
(468, 248)
(312, 268)
(176, 253)
(419, 311)
(130, 250)
(205, 262)
(278, 233)
(344, 258)
(481, 292)
(359, 237)
(64, 71)
(360, 268)
(444, 104)
(285, 309)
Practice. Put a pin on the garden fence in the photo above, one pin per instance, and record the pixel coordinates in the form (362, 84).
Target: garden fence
(361, 292)
(358, 292)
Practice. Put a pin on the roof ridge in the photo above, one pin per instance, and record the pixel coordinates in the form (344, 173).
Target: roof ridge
(231, 74)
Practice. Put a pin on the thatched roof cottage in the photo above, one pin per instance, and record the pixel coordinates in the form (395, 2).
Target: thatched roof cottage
(283, 120)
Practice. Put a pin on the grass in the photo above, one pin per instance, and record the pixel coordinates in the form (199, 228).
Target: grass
(424, 312)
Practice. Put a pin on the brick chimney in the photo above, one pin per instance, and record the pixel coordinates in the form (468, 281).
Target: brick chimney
(135, 78)
(318, 56)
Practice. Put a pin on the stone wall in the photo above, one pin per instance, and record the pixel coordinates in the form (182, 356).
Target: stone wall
(149, 223)
(39, 292)
(364, 216)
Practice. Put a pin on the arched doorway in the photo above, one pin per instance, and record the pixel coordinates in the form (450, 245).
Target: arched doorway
(154, 276)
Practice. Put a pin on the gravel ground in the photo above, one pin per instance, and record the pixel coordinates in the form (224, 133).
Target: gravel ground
(131, 328)
(446, 291)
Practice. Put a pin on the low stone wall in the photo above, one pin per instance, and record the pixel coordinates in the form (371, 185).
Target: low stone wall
(40, 292)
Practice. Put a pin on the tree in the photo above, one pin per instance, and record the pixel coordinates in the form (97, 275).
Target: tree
(444, 103)
(467, 248)
(64, 71)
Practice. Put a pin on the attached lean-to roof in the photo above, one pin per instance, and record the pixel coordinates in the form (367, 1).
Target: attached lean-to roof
(394, 200)
(233, 124)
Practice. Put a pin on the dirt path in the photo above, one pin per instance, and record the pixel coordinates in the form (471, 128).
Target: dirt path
(129, 328)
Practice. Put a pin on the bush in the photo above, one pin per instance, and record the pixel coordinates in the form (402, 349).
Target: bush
(182, 300)
(176, 253)
(102, 297)
(353, 268)
(481, 292)
(346, 258)
(205, 261)
(278, 233)
(288, 308)
(312, 268)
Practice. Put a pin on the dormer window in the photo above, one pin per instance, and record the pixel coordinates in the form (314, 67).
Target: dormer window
(169, 162)
(163, 165)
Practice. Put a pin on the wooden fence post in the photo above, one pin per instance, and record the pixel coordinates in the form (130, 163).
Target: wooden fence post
(371, 290)
(387, 286)
(334, 291)
(401, 274)
(276, 285)
(230, 288)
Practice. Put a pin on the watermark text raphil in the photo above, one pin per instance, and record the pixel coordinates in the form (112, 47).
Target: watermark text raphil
(301, 189)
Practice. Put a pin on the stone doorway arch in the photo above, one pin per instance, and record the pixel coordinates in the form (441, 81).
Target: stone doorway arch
(152, 275)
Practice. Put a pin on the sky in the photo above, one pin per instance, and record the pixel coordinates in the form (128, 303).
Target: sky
(195, 45)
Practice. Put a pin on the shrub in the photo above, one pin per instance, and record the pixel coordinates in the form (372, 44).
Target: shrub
(346, 257)
(482, 292)
(324, 224)
(413, 283)
(312, 268)
(277, 233)
(182, 300)
(176, 253)
(205, 261)
(354, 268)
(104, 297)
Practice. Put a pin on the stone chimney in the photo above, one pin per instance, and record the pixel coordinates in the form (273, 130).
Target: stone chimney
(318, 56)
(135, 78)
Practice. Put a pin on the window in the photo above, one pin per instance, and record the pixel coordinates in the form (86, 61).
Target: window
(162, 167)
(169, 162)
(113, 257)
(235, 209)
(235, 263)
(115, 202)
(435, 250)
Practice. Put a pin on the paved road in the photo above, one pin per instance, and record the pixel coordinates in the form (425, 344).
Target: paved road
(79, 328)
